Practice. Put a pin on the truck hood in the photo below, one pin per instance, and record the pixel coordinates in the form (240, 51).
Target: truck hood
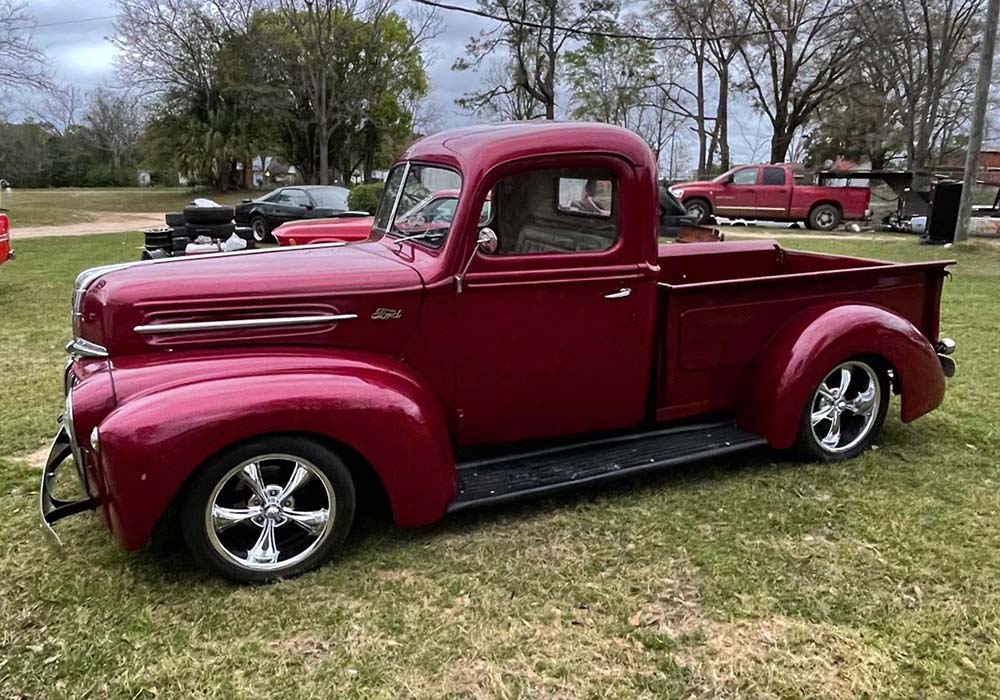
(693, 183)
(334, 296)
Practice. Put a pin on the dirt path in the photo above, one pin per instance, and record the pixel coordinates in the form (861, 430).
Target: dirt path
(104, 222)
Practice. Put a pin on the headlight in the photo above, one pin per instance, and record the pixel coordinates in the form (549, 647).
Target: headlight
(677, 192)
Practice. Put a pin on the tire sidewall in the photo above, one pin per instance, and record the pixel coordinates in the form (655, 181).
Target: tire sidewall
(199, 490)
(809, 448)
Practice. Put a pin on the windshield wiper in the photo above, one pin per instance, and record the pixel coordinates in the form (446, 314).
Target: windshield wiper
(420, 236)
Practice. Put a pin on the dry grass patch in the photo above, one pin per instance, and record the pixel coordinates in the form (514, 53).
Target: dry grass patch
(781, 657)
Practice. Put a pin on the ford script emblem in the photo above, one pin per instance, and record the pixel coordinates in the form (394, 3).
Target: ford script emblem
(381, 314)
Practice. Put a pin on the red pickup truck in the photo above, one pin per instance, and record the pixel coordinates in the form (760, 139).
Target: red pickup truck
(770, 193)
(260, 399)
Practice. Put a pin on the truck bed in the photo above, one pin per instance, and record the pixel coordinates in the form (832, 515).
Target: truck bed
(720, 304)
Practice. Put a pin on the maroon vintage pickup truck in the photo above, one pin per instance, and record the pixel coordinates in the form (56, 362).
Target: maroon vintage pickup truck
(770, 193)
(260, 399)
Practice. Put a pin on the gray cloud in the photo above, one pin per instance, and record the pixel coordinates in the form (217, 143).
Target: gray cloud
(77, 45)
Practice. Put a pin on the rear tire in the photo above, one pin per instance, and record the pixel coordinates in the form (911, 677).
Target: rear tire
(699, 210)
(824, 217)
(845, 412)
(261, 231)
(267, 509)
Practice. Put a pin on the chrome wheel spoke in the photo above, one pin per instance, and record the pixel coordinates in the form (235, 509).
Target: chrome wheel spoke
(822, 414)
(265, 549)
(225, 518)
(845, 381)
(832, 438)
(864, 403)
(300, 475)
(250, 475)
(312, 521)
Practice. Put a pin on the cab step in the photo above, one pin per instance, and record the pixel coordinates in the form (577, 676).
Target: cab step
(543, 471)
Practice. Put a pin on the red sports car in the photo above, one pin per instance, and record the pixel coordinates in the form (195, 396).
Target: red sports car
(435, 209)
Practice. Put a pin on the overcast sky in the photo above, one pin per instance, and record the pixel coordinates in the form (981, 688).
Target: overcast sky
(74, 34)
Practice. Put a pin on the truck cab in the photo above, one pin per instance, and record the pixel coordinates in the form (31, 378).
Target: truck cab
(260, 397)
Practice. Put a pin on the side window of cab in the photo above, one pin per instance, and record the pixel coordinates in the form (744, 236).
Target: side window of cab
(556, 211)
(747, 176)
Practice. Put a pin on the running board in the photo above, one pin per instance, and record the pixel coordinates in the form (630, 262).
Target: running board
(544, 471)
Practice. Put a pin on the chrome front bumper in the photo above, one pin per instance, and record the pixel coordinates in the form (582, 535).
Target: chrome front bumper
(55, 509)
(63, 449)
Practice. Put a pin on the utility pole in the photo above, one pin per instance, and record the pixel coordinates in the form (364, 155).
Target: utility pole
(978, 119)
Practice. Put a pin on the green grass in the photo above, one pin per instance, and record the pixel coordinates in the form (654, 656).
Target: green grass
(752, 577)
(53, 207)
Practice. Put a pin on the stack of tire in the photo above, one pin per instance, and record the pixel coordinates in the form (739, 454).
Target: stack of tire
(214, 222)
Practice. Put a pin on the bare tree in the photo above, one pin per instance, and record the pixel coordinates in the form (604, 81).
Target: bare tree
(62, 107)
(535, 34)
(22, 64)
(799, 59)
(114, 124)
(165, 44)
(922, 51)
(504, 99)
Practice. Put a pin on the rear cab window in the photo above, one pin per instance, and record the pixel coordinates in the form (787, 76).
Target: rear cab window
(774, 176)
(556, 211)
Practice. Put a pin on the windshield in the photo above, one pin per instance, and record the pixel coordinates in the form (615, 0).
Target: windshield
(422, 206)
(724, 177)
(330, 197)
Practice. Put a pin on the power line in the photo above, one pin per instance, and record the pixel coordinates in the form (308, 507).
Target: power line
(655, 39)
(75, 21)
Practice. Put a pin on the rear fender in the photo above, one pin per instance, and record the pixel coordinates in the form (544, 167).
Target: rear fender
(811, 344)
(152, 444)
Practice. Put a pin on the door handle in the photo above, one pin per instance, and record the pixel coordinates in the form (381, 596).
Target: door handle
(620, 294)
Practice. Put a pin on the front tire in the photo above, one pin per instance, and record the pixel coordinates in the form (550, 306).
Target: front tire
(261, 231)
(845, 412)
(268, 509)
(699, 210)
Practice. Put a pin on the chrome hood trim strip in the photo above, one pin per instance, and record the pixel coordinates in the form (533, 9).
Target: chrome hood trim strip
(196, 326)
(88, 277)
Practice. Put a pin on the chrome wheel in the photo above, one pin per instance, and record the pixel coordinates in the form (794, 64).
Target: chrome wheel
(270, 512)
(825, 218)
(845, 407)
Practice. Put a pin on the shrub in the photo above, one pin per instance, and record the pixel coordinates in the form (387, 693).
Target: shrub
(365, 197)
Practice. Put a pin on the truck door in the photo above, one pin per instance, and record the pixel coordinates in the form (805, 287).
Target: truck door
(738, 197)
(555, 329)
(774, 193)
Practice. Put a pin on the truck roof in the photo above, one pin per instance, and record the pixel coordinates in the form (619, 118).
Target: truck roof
(489, 145)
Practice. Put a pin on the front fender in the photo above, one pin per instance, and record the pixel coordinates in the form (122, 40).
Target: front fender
(812, 343)
(152, 444)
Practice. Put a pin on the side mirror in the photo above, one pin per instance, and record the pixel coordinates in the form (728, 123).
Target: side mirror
(245, 201)
(487, 241)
